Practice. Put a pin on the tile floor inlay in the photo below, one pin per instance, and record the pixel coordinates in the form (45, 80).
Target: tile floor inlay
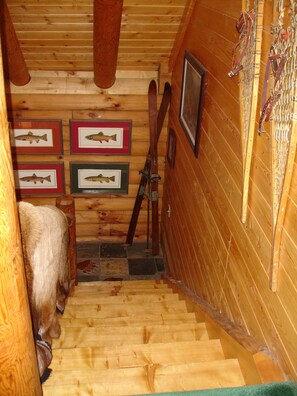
(112, 250)
(114, 266)
(102, 261)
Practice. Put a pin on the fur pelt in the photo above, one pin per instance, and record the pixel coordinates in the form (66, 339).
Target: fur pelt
(44, 231)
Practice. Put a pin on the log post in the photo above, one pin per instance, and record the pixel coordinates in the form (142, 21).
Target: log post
(15, 64)
(67, 205)
(106, 35)
(18, 363)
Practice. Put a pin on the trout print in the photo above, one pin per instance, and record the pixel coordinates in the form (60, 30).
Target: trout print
(100, 137)
(30, 137)
(100, 178)
(35, 178)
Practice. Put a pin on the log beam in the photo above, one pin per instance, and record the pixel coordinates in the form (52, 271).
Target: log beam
(106, 35)
(15, 65)
(18, 364)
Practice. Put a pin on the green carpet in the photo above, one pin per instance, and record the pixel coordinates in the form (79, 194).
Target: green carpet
(271, 389)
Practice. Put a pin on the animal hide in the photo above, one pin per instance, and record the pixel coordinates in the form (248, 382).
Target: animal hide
(44, 231)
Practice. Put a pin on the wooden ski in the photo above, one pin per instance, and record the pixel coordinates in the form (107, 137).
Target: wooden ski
(147, 166)
(154, 176)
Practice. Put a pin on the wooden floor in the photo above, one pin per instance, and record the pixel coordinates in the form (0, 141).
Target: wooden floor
(137, 337)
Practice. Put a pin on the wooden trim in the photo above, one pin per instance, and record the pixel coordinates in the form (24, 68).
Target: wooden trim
(66, 203)
(256, 363)
(248, 143)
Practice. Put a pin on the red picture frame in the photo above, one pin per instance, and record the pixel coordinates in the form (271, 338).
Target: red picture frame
(32, 178)
(103, 137)
(36, 136)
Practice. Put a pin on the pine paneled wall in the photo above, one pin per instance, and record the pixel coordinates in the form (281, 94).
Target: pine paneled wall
(223, 261)
(65, 96)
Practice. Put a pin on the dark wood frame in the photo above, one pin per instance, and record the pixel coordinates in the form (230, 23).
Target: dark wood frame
(81, 145)
(36, 147)
(171, 147)
(192, 99)
(118, 170)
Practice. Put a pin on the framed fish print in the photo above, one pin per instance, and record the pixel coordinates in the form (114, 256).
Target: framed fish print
(100, 137)
(45, 178)
(192, 98)
(99, 178)
(36, 136)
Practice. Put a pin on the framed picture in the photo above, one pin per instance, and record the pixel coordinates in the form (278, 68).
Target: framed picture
(36, 136)
(99, 178)
(192, 98)
(33, 178)
(171, 147)
(100, 137)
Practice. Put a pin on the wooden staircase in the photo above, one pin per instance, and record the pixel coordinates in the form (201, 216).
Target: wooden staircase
(139, 337)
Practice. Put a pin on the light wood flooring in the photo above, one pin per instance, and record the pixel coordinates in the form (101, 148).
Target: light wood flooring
(138, 337)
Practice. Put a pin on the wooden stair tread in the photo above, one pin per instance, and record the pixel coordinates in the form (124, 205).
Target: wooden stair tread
(119, 291)
(74, 337)
(148, 379)
(147, 283)
(104, 358)
(123, 299)
(161, 319)
(127, 309)
(137, 337)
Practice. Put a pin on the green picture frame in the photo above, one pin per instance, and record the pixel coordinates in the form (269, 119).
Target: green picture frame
(99, 178)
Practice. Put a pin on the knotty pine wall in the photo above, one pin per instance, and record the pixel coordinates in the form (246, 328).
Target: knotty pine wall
(224, 262)
(65, 96)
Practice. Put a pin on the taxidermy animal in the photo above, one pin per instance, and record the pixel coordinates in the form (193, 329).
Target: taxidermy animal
(44, 231)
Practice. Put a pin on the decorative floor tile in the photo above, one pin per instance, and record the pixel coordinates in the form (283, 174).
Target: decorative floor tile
(143, 266)
(88, 270)
(139, 250)
(88, 266)
(88, 249)
(88, 278)
(115, 250)
(160, 264)
(114, 267)
(114, 261)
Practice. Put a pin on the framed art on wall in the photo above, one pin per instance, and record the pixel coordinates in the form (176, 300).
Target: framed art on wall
(45, 178)
(100, 137)
(99, 178)
(36, 136)
(192, 98)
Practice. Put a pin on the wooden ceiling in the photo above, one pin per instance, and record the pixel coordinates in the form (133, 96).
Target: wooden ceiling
(58, 35)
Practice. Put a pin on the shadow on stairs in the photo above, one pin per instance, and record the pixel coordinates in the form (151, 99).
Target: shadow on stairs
(140, 337)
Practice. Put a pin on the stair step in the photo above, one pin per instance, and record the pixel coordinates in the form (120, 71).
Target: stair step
(123, 299)
(75, 337)
(118, 291)
(133, 284)
(153, 319)
(148, 379)
(127, 309)
(103, 358)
